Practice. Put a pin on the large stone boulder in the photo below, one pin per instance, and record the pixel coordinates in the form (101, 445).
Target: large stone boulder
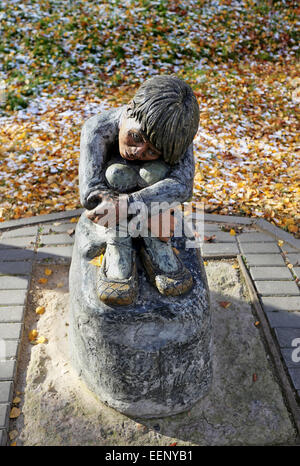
(149, 359)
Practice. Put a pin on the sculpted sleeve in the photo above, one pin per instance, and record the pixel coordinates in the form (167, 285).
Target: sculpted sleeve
(177, 187)
(98, 133)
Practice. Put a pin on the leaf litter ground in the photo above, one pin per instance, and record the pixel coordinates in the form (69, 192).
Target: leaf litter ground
(62, 62)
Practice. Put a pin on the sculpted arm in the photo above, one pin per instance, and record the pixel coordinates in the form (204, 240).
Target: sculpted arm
(97, 134)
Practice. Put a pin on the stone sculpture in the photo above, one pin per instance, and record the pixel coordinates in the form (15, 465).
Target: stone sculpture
(140, 323)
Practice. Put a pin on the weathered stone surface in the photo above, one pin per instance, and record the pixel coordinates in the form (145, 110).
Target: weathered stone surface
(56, 239)
(4, 413)
(13, 283)
(151, 359)
(264, 259)
(219, 249)
(22, 242)
(15, 268)
(54, 253)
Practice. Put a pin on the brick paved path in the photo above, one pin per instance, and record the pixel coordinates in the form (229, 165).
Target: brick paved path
(273, 265)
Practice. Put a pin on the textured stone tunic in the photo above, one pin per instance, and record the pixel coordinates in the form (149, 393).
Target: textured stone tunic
(99, 144)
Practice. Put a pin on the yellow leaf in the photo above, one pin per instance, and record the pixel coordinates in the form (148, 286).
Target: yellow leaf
(232, 232)
(293, 228)
(74, 220)
(40, 310)
(176, 251)
(205, 263)
(48, 272)
(13, 434)
(280, 242)
(235, 266)
(16, 400)
(290, 266)
(97, 261)
(32, 335)
(43, 280)
(42, 340)
(59, 285)
(14, 413)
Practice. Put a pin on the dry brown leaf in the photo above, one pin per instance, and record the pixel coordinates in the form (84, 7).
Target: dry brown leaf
(40, 310)
(14, 413)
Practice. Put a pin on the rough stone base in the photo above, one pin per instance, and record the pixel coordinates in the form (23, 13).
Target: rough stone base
(147, 360)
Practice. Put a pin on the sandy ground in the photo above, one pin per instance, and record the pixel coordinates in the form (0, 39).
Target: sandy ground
(244, 407)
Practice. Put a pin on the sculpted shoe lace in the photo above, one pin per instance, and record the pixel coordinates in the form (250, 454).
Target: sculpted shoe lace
(117, 291)
(168, 283)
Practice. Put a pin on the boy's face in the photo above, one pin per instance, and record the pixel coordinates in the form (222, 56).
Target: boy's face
(133, 144)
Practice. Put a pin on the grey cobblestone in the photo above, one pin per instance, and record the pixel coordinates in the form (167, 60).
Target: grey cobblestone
(290, 303)
(295, 376)
(14, 283)
(285, 336)
(283, 319)
(277, 288)
(23, 242)
(296, 271)
(270, 273)
(12, 297)
(54, 254)
(7, 370)
(4, 415)
(20, 232)
(259, 248)
(5, 391)
(255, 237)
(15, 268)
(11, 314)
(264, 260)
(56, 239)
(16, 254)
(10, 331)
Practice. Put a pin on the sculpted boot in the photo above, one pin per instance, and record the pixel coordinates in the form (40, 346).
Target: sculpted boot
(165, 269)
(117, 280)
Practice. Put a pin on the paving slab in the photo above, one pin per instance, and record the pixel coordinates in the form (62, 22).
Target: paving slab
(289, 358)
(23, 242)
(10, 348)
(3, 437)
(54, 253)
(277, 288)
(14, 283)
(15, 268)
(56, 239)
(219, 249)
(296, 271)
(259, 248)
(20, 232)
(10, 254)
(13, 297)
(295, 376)
(287, 248)
(7, 370)
(4, 414)
(286, 336)
(5, 391)
(270, 273)
(264, 260)
(283, 319)
(290, 303)
(57, 227)
(10, 331)
(11, 314)
(293, 259)
(255, 237)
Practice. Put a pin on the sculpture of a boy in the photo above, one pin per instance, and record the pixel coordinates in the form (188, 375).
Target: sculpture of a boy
(140, 152)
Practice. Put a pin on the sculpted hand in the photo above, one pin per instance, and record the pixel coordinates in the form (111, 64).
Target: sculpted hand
(110, 211)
